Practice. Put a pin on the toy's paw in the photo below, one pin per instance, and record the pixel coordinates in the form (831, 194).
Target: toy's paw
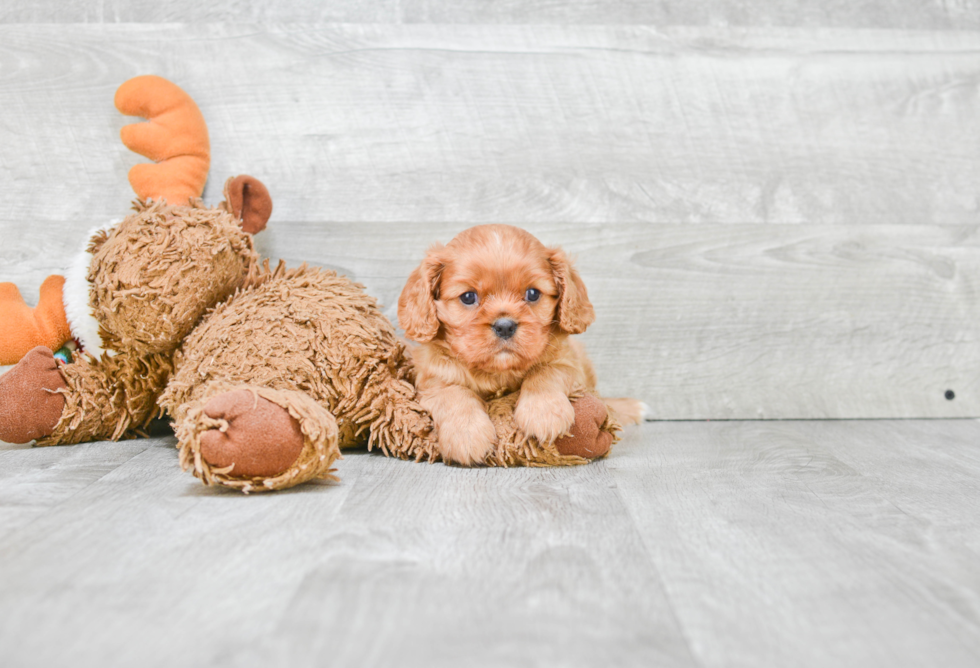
(468, 439)
(545, 416)
(259, 438)
(30, 404)
(587, 439)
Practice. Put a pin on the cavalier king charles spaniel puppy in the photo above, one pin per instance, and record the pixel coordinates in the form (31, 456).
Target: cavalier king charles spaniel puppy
(493, 311)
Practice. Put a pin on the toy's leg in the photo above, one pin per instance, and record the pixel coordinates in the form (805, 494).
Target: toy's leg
(592, 435)
(587, 438)
(82, 401)
(255, 438)
(258, 438)
(31, 403)
(108, 399)
(394, 420)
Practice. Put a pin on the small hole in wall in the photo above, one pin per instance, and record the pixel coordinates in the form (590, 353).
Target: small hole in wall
(950, 395)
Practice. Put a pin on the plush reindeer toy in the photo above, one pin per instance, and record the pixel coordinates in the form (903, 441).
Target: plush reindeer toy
(135, 291)
(267, 372)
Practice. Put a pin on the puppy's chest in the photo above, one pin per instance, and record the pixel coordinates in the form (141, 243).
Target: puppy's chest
(492, 386)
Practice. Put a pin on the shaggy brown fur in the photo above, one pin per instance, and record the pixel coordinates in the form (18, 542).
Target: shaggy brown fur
(152, 277)
(328, 356)
(313, 343)
(156, 273)
(110, 397)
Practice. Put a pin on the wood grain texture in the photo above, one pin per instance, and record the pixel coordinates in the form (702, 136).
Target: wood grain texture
(739, 321)
(694, 544)
(773, 223)
(926, 14)
(910, 14)
(400, 563)
(728, 321)
(813, 544)
(441, 123)
(908, 475)
(35, 480)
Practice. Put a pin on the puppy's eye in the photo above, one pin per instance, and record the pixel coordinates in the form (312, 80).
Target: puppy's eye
(468, 298)
(532, 295)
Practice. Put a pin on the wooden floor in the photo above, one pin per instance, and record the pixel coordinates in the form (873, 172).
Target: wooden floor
(694, 544)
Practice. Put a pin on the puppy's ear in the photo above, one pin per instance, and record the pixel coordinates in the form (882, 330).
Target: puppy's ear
(575, 312)
(417, 305)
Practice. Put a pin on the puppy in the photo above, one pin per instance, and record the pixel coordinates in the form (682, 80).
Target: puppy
(494, 310)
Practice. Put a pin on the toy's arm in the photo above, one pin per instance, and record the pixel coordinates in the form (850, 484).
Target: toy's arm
(23, 328)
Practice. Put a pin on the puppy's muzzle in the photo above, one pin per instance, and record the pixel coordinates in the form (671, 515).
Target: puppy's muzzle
(504, 328)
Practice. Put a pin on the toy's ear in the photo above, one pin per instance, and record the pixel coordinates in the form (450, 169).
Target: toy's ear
(175, 137)
(248, 200)
(575, 312)
(417, 305)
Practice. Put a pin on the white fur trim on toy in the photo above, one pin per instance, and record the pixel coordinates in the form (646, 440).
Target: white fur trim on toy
(78, 310)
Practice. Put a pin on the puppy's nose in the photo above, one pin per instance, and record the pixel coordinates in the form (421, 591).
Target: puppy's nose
(504, 328)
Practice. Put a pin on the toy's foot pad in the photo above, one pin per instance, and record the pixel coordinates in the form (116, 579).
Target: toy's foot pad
(30, 404)
(261, 439)
(587, 439)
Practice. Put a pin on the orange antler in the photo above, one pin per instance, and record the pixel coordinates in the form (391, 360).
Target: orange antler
(175, 137)
(23, 327)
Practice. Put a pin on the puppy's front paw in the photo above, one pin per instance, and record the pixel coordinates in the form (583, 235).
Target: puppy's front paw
(467, 439)
(545, 416)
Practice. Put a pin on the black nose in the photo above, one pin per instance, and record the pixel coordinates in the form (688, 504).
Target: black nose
(504, 328)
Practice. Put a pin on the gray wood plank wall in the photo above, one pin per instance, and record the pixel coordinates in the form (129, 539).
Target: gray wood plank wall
(777, 220)
(912, 14)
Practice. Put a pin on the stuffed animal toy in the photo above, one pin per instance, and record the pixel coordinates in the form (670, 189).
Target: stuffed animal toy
(265, 373)
(136, 290)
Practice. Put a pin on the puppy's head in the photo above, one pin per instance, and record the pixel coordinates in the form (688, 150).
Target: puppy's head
(497, 296)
